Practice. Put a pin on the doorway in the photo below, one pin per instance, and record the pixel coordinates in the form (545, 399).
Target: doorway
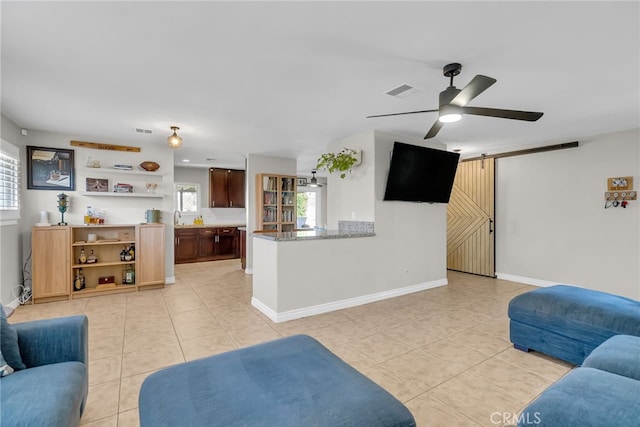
(470, 219)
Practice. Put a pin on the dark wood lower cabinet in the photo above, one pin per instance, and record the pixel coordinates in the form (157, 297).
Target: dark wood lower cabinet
(206, 244)
(186, 246)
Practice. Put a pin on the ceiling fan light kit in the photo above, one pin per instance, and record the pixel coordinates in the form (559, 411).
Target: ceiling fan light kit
(453, 101)
(174, 140)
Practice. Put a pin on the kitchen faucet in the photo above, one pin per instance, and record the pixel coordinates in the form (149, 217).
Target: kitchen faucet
(175, 218)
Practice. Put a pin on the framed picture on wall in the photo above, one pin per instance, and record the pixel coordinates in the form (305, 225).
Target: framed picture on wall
(50, 169)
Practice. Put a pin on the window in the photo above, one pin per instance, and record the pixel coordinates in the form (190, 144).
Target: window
(9, 183)
(308, 208)
(187, 197)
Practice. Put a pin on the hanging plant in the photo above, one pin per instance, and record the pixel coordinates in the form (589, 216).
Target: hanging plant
(342, 161)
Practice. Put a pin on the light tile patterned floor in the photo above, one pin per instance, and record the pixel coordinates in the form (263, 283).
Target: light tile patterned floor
(444, 352)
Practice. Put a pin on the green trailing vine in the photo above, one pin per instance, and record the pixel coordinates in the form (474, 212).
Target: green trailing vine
(342, 161)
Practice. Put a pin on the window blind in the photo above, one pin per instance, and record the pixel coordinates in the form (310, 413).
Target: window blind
(9, 181)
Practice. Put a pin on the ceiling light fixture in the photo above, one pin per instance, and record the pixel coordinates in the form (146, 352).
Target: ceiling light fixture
(449, 114)
(314, 180)
(174, 140)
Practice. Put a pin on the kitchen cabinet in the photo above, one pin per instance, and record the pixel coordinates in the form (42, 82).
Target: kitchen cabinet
(276, 198)
(186, 245)
(64, 253)
(243, 248)
(51, 263)
(226, 188)
(206, 244)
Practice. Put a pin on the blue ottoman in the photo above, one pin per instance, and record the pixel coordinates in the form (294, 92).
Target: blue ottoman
(568, 322)
(293, 381)
(586, 397)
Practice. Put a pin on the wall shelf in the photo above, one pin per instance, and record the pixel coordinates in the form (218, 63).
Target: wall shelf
(107, 194)
(123, 172)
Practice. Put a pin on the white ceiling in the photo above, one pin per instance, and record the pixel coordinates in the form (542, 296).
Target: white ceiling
(287, 78)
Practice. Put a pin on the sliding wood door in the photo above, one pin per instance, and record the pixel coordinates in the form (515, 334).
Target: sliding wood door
(470, 213)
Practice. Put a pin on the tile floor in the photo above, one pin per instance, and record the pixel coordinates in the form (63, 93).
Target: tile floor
(444, 352)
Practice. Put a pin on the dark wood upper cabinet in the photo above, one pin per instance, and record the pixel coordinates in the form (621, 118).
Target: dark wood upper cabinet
(226, 188)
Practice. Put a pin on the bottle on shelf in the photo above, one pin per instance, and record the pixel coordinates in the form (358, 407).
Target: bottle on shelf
(128, 275)
(123, 253)
(78, 283)
(83, 258)
(92, 258)
(132, 251)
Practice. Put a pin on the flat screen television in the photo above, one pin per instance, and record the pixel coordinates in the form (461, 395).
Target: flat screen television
(420, 174)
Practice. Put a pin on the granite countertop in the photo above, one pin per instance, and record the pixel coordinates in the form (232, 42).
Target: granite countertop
(312, 235)
(208, 225)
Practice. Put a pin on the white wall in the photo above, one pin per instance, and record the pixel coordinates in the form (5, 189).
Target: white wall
(117, 210)
(213, 216)
(10, 240)
(257, 164)
(353, 197)
(551, 225)
(410, 237)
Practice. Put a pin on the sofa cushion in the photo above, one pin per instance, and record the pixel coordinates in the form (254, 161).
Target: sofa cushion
(9, 343)
(619, 355)
(293, 381)
(49, 395)
(585, 397)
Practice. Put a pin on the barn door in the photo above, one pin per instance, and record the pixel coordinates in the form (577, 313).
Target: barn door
(470, 213)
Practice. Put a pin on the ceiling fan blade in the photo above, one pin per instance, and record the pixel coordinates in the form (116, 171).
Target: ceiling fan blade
(529, 116)
(434, 129)
(399, 114)
(475, 87)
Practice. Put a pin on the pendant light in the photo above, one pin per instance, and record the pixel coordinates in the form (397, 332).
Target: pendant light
(314, 180)
(174, 140)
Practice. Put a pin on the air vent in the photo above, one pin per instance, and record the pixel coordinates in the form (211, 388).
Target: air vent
(404, 90)
(145, 131)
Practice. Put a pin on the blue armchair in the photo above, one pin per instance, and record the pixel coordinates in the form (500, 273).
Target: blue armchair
(52, 390)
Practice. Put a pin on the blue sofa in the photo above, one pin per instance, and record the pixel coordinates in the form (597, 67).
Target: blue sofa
(50, 383)
(605, 391)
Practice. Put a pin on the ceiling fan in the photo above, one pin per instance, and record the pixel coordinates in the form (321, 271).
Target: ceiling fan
(453, 102)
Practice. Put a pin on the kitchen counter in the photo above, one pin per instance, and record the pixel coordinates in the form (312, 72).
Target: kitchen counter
(207, 225)
(312, 235)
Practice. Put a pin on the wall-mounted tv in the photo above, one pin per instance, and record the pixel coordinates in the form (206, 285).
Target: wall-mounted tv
(420, 174)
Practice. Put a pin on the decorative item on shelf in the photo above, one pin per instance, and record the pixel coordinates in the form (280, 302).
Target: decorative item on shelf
(174, 140)
(342, 161)
(63, 202)
(82, 259)
(106, 279)
(123, 167)
(92, 258)
(151, 187)
(149, 166)
(92, 163)
(91, 237)
(97, 184)
(79, 281)
(122, 188)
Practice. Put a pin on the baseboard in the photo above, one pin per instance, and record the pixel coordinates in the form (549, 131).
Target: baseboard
(13, 304)
(248, 270)
(346, 303)
(170, 280)
(526, 280)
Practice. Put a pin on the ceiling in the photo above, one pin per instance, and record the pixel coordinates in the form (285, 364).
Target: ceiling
(288, 78)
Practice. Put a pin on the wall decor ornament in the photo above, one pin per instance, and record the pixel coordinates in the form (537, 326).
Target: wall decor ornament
(50, 169)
